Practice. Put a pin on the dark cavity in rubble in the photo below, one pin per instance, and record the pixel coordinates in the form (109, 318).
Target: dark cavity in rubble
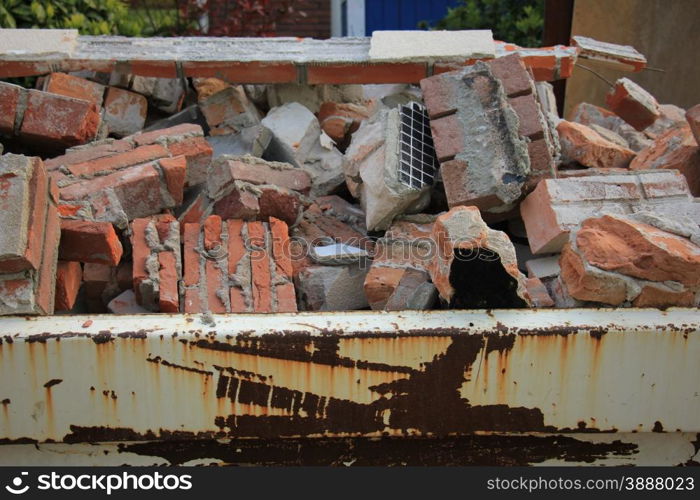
(481, 282)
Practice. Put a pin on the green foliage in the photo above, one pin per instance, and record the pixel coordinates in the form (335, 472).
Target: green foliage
(90, 17)
(516, 21)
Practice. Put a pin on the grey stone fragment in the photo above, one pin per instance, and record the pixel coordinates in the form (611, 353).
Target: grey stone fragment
(543, 268)
(165, 93)
(252, 141)
(338, 254)
(332, 288)
(414, 291)
(191, 114)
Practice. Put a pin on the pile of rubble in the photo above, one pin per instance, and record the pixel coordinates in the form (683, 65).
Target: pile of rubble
(128, 194)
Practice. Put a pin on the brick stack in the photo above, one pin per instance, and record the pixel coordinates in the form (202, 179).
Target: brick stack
(138, 176)
(29, 237)
(157, 267)
(237, 266)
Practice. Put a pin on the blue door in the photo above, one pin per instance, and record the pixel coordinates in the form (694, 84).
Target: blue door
(403, 14)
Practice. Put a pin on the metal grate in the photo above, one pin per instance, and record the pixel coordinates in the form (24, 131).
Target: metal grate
(417, 163)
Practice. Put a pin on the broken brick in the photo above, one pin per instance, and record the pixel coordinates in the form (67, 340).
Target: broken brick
(584, 145)
(616, 259)
(675, 149)
(558, 205)
(68, 279)
(475, 266)
(633, 104)
(9, 103)
(406, 246)
(125, 112)
(23, 207)
(693, 117)
(484, 160)
(339, 120)
(88, 241)
(538, 293)
(58, 121)
(75, 87)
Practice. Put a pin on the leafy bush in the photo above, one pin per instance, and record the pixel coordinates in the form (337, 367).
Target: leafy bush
(90, 17)
(516, 21)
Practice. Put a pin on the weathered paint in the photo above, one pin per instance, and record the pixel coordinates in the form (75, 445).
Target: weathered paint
(95, 379)
(640, 449)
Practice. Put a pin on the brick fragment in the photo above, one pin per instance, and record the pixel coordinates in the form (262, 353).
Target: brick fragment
(87, 241)
(675, 149)
(9, 103)
(558, 205)
(68, 279)
(584, 145)
(633, 104)
(618, 260)
(58, 121)
(475, 266)
(693, 117)
(482, 152)
(538, 293)
(125, 112)
(339, 120)
(228, 169)
(75, 87)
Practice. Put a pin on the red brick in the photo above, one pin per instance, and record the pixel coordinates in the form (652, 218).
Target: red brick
(280, 247)
(256, 171)
(655, 296)
(528, 112)
(542, 164)
(692, 115)
(174, 171)
(74, 86)
(154, 69)
(543, 67)
(440, 94)
(366, 73)
(9, 99)
(125, 112)
(633, 104)
(168, 297)
(191, 256)
(198, 154)
(675, 149)
(236, 251)
(283, 204)
(340, 119)
(638, 250)
(214, 274)
(88, 154)
(137, 156)
(184, 129)
(588, 286)
(57, 120)
(260, 268)
(286, 298)
(36, 223)
(238, 204)
(86, 241)
(243, 72)
(584, 145)
(380, 283)
(511, 71)
(69, 276)
(558, 205)
(192, 303)
(448, 136)
(140, 251)
(538, 293)
(46, 285)
(212, 233)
